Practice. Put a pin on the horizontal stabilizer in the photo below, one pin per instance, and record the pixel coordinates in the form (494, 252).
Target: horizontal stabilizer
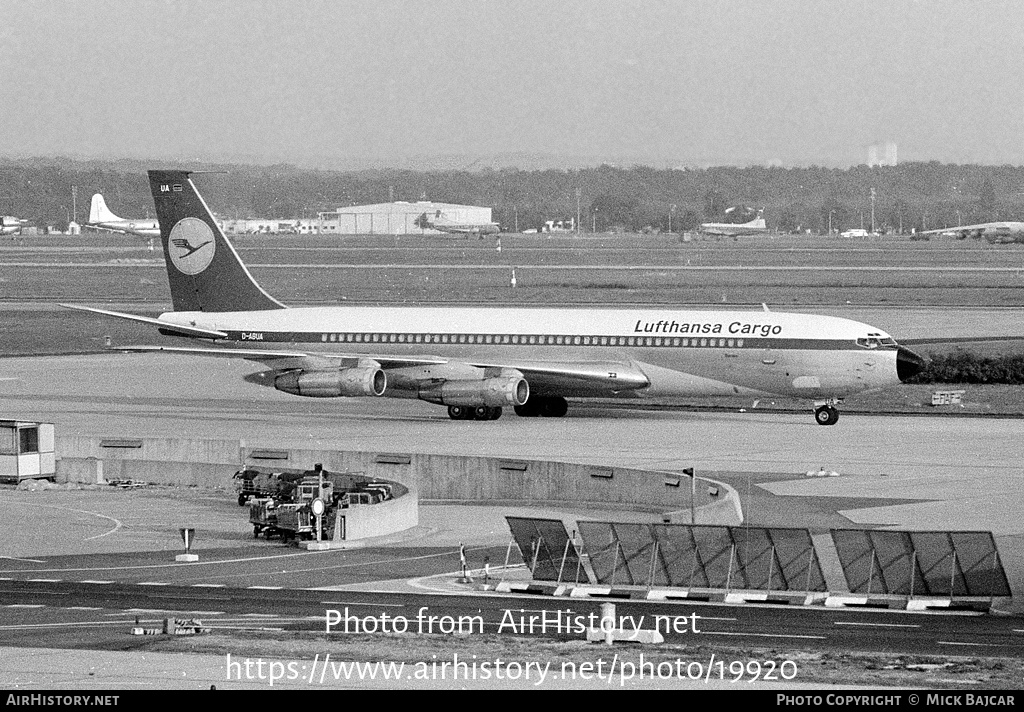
(177, 329)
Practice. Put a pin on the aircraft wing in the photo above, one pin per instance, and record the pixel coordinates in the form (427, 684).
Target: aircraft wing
(962, 229)
(597, 376)
(139, 232)
(285, 360)
(586, 375)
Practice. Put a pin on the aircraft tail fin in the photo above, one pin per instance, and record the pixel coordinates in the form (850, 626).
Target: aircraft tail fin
(204, 270)
(99, 212)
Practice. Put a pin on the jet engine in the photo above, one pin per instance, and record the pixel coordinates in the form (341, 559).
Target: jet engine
(491, 392)
(332, 384)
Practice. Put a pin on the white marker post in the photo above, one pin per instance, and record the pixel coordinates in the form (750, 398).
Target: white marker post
(318, 506)
(187, 536)
(693, 494)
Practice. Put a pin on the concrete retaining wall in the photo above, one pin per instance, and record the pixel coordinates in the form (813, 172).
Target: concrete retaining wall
(210, 463)
(369, 520)
(459, 478)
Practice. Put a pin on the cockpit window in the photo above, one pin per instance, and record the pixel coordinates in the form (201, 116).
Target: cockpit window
(873, 341)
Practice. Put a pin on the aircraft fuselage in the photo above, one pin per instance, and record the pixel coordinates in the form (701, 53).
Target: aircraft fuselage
(663, 353)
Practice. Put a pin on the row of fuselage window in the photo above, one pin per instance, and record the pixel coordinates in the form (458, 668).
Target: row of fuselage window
(533, 340)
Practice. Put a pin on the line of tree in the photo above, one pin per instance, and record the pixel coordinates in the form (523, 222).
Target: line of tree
(969, 367)
(908, 197)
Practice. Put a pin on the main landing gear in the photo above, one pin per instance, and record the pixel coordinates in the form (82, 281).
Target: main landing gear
(549, 407)
(826, 413)
(480, 412)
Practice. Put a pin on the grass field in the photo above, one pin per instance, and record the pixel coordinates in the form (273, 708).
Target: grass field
(782, 271)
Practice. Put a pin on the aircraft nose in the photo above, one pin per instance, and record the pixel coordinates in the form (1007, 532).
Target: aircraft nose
(908, 363)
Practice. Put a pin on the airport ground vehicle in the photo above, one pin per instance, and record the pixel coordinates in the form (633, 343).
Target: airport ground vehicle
(255, 482)
(293, 519)
(281, 503)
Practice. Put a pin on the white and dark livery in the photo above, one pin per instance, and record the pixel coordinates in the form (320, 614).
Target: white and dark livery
(442, 223)
(752, 227)
(100, 218)
(1004, 231)
(10, 225)
(477, 361)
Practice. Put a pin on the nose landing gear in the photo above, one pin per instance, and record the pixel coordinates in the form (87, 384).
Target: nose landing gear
(826, 413)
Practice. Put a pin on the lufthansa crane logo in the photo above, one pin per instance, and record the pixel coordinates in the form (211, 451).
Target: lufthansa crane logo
(191, 246)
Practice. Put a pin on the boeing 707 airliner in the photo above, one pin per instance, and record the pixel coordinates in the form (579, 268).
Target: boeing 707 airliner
(477, 361)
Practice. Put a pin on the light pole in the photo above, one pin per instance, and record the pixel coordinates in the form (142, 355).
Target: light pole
(671, 210)
(830, 212)
(577, 211)
(693, 494)
(959, 222)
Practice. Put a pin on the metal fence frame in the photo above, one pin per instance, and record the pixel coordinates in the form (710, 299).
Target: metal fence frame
(921, 563)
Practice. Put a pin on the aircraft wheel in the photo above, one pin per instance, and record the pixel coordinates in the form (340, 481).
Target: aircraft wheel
(242, 499)
(826, 415)
(482, 412)
(527, 410)
(554, 407)
(459, 412)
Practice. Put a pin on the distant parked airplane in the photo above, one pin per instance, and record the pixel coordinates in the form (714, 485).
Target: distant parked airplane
(1006, 231)
(101, 218)
(10, 225)
(440, 222)
(755, 226)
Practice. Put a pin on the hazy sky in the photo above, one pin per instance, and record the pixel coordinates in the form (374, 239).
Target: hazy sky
(661, 82)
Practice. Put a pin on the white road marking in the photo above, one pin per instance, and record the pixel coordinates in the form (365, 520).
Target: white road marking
(267, 588)
(45, 580)
(152, 583)
(765, 635)
(209, 585)
(90, 581)
(880, 625)
(117, 523)
(30, 626)
(978, 645)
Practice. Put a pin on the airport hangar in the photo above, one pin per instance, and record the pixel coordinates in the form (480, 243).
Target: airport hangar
(396, 218)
